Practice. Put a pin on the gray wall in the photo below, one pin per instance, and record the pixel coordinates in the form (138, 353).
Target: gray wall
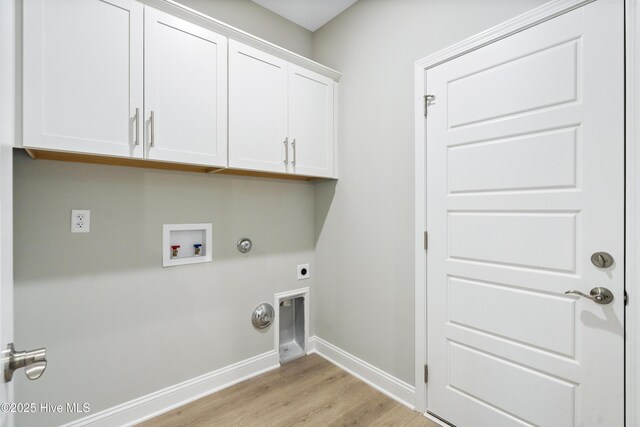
(255, 19)
(115, 323)
(364, 296)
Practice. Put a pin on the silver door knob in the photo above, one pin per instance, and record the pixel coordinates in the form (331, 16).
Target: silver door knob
(597, 294)
(34, 362)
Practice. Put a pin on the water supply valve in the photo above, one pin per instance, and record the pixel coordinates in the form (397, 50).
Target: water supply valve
(174, 250)
(197, 249)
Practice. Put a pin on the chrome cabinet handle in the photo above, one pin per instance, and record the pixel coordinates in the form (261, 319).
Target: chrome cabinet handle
(152, 140)
(34, 362)
(136, 142)
(286, 150)
(293, 144)
(598, 295)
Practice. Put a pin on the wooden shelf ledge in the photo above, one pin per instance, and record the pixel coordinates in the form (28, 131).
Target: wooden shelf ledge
(151, 164)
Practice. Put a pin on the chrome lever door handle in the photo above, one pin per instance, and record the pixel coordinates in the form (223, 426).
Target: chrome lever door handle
(598, 295)
(35, 370)
(34, 362)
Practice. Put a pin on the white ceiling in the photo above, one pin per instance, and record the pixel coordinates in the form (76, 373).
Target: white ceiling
(310, 14)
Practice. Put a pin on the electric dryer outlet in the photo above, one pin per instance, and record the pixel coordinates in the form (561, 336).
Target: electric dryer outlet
(303, 271)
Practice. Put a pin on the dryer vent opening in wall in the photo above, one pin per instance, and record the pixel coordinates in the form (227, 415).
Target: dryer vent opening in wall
(292, 335)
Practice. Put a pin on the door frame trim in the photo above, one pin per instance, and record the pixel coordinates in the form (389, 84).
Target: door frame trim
(632, 211)
(632, 200)
(10, 131)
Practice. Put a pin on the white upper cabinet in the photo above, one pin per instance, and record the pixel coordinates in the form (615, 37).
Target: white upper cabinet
(311, 122)
(257, 110)
(83, 76)
(119, 78)
(185, 91)
(281, 116)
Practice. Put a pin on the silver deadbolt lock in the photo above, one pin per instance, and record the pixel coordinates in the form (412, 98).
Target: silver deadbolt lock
(34, 362)
(602, 260)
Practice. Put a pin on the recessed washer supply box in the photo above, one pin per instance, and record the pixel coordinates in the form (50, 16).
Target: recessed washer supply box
(186, 244)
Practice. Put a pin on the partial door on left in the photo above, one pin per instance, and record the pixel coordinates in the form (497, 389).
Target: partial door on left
(83, 76)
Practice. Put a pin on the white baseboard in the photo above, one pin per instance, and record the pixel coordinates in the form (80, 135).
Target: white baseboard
(376, 378)
(154, 404)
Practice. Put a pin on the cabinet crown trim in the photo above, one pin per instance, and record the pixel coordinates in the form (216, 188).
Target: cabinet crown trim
(234, 33)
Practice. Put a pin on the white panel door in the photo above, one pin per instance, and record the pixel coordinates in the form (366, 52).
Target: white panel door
(525, 181)
(257, 110)
(311, 122)
(83, 75)
(185, 90)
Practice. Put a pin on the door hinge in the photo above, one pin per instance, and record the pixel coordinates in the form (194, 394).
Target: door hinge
(426, 374)
(428, 100)
(426, 240)
(626, 298)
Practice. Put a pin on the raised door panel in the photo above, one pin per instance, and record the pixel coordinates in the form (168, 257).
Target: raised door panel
(83, 76)
(257, 110)
(186, 89)
(311, 122)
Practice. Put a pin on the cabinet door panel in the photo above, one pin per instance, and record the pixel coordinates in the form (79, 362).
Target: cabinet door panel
(257, 109)
(82, 75)
(311, 122)
(186, 88)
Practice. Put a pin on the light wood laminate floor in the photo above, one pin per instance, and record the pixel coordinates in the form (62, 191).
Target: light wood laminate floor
(309, 391)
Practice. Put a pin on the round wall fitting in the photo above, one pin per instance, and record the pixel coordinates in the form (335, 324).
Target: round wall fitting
(262, 315)
(244, 245)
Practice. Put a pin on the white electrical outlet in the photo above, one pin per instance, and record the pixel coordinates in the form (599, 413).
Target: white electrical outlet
(80, 220)
(303, 271)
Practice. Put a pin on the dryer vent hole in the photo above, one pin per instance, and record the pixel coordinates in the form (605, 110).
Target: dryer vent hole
(291, 329)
